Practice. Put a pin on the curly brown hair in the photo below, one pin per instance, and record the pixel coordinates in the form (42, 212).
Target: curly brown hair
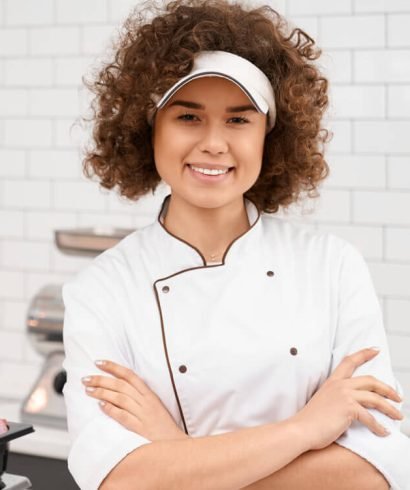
(151, 54)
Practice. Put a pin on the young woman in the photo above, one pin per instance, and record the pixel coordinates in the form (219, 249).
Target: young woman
(236, 344)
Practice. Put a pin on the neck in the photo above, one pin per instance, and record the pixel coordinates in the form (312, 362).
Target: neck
(211, 230)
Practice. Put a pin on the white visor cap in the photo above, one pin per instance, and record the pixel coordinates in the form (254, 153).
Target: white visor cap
(249, 78)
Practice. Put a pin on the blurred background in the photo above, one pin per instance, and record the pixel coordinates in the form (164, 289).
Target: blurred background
(46, 47)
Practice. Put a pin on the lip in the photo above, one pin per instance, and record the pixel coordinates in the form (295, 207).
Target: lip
(209, 178)
(210, 166)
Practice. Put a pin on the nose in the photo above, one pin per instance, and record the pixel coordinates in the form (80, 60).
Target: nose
(213, 139)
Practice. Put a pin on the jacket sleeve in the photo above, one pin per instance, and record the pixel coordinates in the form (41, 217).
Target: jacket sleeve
(360, 325)
(92, 330)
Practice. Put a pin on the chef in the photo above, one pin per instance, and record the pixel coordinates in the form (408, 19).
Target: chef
(232, 317)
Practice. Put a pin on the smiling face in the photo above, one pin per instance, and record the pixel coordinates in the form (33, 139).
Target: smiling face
(209, 123)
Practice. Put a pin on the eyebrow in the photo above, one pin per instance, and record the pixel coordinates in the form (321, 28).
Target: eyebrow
(195, 105)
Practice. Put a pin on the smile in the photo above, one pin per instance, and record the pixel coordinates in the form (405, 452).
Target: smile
(209, 171)
(209, 175)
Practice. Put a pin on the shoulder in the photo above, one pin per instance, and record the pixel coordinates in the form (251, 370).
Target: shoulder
(304, 241)
(108, 270)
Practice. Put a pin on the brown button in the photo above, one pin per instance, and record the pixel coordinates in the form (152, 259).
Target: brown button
(182, 369)
(293, 351)
(270, 273)
(165, 289)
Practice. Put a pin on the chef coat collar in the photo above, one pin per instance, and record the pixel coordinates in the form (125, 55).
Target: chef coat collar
(183, 255)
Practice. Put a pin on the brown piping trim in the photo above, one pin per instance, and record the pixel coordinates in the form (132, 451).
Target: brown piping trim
(179, 85)
(196, 249)
(181, 272)
(169, 233)
(167, 359)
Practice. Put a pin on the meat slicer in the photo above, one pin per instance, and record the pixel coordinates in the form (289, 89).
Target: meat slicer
(44, 404)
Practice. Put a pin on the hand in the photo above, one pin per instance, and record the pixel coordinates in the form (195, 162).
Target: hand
(340, 401)
(130, 402)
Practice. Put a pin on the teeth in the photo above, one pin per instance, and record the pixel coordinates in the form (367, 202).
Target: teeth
(209, 171)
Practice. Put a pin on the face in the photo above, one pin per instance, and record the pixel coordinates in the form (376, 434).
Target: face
(209, 123)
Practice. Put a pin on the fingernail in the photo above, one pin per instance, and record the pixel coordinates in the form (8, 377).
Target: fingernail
(86, 379)
(375, 347)
(100, 363)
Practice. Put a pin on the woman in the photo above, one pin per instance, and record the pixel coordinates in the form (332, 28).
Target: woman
(233, 341)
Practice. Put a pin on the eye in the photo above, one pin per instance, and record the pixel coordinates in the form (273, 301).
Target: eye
(189, 118)
(242, 119)
(186, 116)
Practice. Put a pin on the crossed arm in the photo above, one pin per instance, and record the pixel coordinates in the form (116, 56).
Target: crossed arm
(331, 468)
(266, 457)
(272, 456)
(177, 467)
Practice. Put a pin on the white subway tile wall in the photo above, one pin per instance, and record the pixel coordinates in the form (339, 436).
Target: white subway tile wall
(47, 46)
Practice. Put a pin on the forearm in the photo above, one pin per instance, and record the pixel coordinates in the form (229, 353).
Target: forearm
(333, 467)
(225, 461)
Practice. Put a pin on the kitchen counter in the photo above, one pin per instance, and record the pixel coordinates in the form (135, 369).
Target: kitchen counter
(46, 442)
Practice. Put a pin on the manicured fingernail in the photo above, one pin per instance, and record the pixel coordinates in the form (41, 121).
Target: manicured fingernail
(86, 379)
(100, 363)
(374, 350)
(90, 388)
(102, 403)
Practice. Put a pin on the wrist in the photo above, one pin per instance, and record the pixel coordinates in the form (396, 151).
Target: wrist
(298, 432)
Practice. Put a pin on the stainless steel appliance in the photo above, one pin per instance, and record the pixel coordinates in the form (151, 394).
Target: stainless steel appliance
(44, 404)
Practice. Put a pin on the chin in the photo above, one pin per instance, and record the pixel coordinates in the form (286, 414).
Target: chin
(210, 199)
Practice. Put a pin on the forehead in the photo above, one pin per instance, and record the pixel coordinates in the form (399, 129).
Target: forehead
(211, 89)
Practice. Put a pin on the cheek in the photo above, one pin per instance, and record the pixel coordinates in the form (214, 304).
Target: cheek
(170, 149)
(249, 151)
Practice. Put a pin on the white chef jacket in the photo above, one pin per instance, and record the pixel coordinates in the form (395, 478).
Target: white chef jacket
(225, 346)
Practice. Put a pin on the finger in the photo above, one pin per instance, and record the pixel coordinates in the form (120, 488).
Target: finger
(351, 362)
(129, 421)
(373, 400)
(125, 373)
(366, 418)
(112, 384)
(120, 400)
(371, 383)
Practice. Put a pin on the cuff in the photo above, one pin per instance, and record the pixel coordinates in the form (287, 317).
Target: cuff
(389, 454)
(100, 446)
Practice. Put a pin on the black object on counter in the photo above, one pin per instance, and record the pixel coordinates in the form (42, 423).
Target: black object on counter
(15, 430)
(44, 473)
